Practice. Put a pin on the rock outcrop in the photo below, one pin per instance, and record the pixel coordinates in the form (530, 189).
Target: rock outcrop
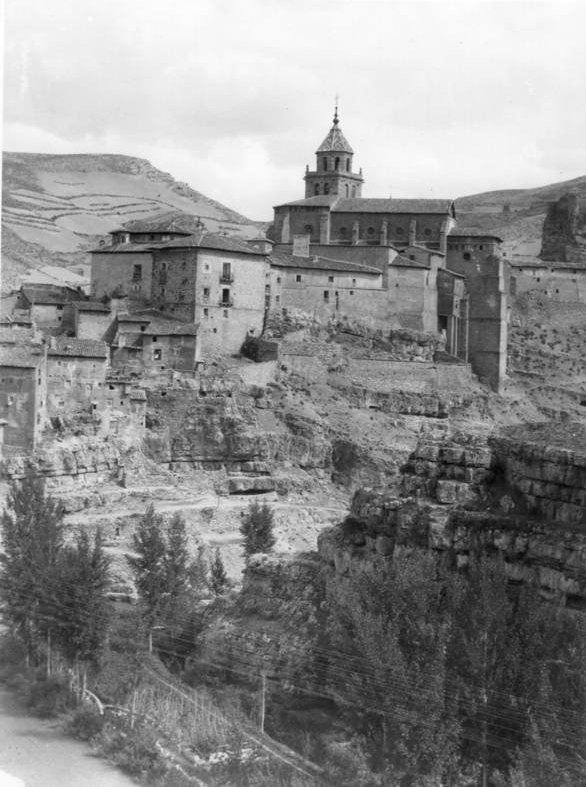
(564, 231)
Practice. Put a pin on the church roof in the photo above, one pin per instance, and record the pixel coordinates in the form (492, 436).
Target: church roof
(335, 140)
(374, 205)
(282, 259)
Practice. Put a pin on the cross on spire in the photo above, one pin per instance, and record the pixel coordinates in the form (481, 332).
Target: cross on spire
(336, 121)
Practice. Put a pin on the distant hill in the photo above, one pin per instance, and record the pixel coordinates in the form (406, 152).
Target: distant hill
(515, 214)
(54, 207)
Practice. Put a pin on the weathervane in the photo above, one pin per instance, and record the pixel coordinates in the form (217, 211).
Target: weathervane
(337, 98)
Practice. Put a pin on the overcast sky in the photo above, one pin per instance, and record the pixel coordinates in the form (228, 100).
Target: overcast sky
(234, 96)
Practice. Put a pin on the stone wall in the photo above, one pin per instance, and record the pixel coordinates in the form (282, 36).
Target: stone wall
(564, 231)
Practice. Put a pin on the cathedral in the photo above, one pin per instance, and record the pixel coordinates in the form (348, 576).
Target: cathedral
(390, 263)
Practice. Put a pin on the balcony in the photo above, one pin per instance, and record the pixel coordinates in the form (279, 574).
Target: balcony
(225, 304)
(226, 278)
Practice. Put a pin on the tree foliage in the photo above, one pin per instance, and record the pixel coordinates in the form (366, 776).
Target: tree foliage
(218, 576)
(150, 564)
(257, 529)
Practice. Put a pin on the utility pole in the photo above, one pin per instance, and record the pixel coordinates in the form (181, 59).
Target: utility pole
(263, 697)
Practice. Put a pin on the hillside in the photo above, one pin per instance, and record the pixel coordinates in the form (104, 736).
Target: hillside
(516, 215)
(55, 207)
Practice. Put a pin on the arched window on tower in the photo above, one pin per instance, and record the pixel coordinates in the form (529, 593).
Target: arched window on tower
(316, 190)
(325, 163)
(326, 188)
(353, 191)
(347, 189)
(337, 163)
(347, 165)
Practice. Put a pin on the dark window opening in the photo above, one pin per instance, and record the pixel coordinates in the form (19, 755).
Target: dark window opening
(325, 163)
(298, 277)
(347, 165)
(326, 296)
(155, 338)
(330, 278)
(226, 296)
(326, 188)
(337, 163)
(466, 255)
(206, 312)
(316, 189)
(157, 355)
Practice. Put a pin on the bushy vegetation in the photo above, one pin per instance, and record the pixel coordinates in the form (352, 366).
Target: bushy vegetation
(257, 529)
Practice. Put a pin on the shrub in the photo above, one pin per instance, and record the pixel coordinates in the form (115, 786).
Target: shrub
(85, 723)
(257, 529)
(47, 697)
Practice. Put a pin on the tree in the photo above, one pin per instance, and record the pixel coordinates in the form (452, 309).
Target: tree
(83, 583)
(32, 538)
(386, 635)
(198, 572)
(149, 565)
(218, 576)
(176, 559)
(257, 529)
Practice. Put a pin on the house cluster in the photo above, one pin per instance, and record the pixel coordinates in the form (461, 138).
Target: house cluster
(163, 298)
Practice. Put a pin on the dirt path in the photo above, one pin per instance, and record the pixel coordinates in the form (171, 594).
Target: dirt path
(35, 753)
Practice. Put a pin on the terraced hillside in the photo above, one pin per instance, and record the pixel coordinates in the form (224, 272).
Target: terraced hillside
(54, 207)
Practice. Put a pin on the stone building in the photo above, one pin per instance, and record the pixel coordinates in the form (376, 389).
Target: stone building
(434, 277)
(76, 371)
(148, 341)
(45, 304)
(207, 279)
(23, 393)
(87, 319)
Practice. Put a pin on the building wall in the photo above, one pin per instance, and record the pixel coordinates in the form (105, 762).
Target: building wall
(115, 274)
(46, 316)
(23, 403)
(487, 278)
(92, 325)
(173, 281)
(412, 297)
(73, 383)
(563, 284)
(224, 328)
(169, 352)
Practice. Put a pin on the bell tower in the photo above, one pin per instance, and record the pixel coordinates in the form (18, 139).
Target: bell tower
(333, 173)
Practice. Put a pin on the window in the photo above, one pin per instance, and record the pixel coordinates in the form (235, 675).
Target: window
(155, 338)
(466, 255)
(157, 355)
(343, 232)
(162, 291)
(143, 328)
(347, 165)
(411, 256)
(326, 188)
(308, 229)
(297, 277)
(353, 191)
(226, 296)
(277, 299)
(351, 292)
(206, 292)
(326, 296)
(481, 247)
(226, 271)
(353, 282)
(206, 312)
(337, 163)
(226, 312)
(206, 267)
(59, 308)
(347, 190)
(278, 279)
(316, 189)
(330, 278)
(325, 163)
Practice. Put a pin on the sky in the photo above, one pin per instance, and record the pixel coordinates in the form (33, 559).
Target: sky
(438, 99)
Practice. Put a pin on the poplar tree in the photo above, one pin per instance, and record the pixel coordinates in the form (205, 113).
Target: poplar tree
(257, 529)
(218, 576)
(32, 540)
(149, 565)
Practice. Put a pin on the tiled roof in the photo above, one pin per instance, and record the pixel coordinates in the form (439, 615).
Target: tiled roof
(145, 317)
(322, 201)
(171, 221)
(335, 140)
(159, 324)
(404, 262)
(374, 205)
(127, 248)
(472, 233)
(91, 306)
(280, 259)
(77, 348)
(23, 356)
(49, 294)
(212, 240)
